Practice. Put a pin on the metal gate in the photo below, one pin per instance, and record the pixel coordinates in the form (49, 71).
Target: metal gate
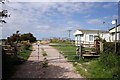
(56, 52)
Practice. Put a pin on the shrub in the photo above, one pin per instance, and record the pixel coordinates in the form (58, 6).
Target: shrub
(110, 47)
(44, 53)
(8, 66)
(109, 59)
(45, 63)
(26, 45)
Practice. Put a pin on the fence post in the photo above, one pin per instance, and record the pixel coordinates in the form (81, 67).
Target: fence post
(101, 47)
(1, 61)
(79, 51)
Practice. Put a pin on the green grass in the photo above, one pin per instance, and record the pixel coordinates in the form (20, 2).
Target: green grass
(26, 53)
(68, 51)
(95, 68)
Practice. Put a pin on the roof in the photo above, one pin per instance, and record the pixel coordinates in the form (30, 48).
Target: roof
(77, 32)
(93, 31)
(114, 27)
(82, 31)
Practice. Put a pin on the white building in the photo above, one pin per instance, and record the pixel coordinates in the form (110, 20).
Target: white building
(88, 36)
(112, 33)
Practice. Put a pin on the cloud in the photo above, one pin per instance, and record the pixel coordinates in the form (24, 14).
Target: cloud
(115, 17)
(87, 16)
(24, 13)
(43, 27)
(107, 5)
(95, 21)
(64, 0)
(69, 8)
(45, 17)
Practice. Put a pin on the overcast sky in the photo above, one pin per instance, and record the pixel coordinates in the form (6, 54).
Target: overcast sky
(53, 19)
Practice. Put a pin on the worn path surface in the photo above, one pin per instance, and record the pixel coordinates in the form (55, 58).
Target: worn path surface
(58, 66)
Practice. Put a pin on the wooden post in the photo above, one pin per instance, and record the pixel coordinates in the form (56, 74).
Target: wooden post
(79, 51)
(115, 36)
(101, 47)
(38, 52)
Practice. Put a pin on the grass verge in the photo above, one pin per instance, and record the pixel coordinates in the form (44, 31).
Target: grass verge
(91, 68)
(26, 53)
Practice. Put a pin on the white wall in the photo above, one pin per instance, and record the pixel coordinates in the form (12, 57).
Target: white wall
(87, 36)
(106, 36)
(113, 37)
(86, 40)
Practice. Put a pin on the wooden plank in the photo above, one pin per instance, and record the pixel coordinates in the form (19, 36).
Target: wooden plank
(87, 50)
(92, 52)
(88, 55)
(88, 44)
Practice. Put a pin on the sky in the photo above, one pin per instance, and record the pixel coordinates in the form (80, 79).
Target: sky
(54, 19)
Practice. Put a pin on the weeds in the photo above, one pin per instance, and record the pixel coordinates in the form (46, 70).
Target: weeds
(45, 60)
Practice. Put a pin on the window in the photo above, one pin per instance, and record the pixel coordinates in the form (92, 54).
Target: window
(91, 37)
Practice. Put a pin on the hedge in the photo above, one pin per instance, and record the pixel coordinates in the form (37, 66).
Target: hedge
(110, 47)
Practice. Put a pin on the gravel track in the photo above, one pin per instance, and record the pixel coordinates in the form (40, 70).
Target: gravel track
(58, 66)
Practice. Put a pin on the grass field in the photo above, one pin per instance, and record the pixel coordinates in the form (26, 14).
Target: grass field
(68, 50)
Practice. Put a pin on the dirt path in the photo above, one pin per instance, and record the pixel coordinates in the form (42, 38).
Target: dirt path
(58, 66)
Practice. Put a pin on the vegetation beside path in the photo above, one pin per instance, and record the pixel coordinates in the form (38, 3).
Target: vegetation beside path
(106, 66)
(9, 62)
(16, 50)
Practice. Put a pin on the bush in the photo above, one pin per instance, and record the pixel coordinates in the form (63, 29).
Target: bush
(8, 66)
(45, 63)
(110, 47)
(44, 53)
(26, 45)
(109, 59)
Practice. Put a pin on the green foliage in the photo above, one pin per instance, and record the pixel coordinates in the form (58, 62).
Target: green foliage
(9, 61)
(109, 59)
(96, 70)
(26, 45)
(45, 63)
(44, 53)
(23, 37)
(57, 40)
(14, 38)
(100, 38)
(106, 66)
(69, 51)
(8, 66)
(111, 62)
(26, 52)
(110, 47)
(28, 36)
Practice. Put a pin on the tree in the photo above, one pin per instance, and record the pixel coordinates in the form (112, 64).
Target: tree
(28, 36)
(16, 37)
(3, 13)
